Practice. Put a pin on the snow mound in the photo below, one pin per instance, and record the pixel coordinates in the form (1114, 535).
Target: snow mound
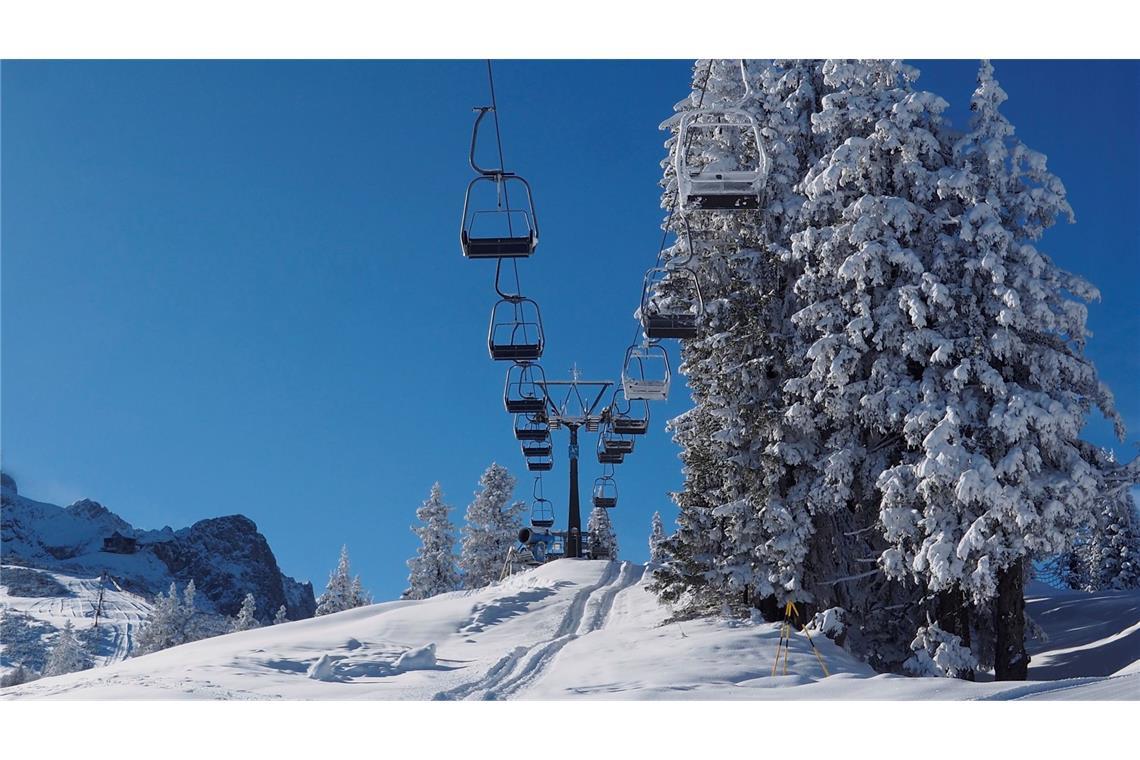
(417, 659)
(324, 669)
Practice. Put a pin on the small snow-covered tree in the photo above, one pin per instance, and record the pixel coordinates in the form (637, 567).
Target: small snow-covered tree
(603, 541)
(1116, 543)
(282, 616)
(656, 539)
(246, 618)
(18, 675)
(338, 593)
(433, 569)
(492, 527)
(357, 596)
(173, 621)
(68, 655)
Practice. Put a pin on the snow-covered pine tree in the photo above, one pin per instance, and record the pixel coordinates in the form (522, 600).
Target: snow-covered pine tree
(603, 541)
(1109, 555)
(994, 336)
(736, 367)
(172, 621)
(357, 596)
(493, 524)
(246, 617)
(682, 579)
(433, 569)
(282, 616)
(68, 655)
(338, 593)
(656, 539)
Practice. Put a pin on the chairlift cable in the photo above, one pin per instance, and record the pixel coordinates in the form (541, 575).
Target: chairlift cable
(503, 169)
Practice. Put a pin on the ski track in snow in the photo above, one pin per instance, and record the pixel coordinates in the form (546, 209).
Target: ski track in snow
(522, 666)
(121, 618)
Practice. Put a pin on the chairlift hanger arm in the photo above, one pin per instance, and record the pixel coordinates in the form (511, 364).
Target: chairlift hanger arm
(496, 173)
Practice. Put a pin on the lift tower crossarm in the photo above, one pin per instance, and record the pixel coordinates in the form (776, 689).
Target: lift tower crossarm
(581, 391)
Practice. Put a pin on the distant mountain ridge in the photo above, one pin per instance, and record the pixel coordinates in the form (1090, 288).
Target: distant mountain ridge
(226, 557)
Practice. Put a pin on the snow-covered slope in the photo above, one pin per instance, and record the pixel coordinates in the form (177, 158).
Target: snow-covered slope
(72, 599)
(569, 629)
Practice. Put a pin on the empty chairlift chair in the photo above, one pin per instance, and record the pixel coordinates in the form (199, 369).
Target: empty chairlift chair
(541, 510)
(608, 457)
(524, 391)
(670, 303)
(605, 492)
(615, 443)
(537, 449)
(490, 228)
(515, 333)
(735, 178)
(628, 417)
(531, 427)
(540, 465)
(645, 374)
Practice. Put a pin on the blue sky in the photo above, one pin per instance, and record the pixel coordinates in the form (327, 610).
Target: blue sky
(236, 286)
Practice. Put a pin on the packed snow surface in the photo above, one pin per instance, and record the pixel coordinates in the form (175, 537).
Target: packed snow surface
(120, 619)
(579, 629)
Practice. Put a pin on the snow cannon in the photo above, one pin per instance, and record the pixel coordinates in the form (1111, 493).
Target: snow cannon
(536, 541)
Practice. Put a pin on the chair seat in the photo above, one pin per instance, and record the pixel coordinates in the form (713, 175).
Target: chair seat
(682, 326)
(605, 502)
(516, 351)
(525, 405)
(539, 466)
(630, 426)
(498, 247)
(723, 201)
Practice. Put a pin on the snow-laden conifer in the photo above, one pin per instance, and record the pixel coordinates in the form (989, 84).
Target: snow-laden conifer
(342, 592)
(68, 654)
(246, 617)
(656, 539)
(603, 540)
(433, 569)
(173, 620)
(282, 615)
(492, 525)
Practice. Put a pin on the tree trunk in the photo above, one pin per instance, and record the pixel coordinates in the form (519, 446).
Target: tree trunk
(770, 610)
(1011, 663)
(954, 617)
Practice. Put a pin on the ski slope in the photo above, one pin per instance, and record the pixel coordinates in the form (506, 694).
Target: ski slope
(571, 629)
(123, 613)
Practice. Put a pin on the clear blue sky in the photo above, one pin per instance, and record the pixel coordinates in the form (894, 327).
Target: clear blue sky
(236, 286)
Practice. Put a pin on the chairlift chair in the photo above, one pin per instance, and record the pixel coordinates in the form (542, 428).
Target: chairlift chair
(670, 303)
(515, 333)
(628, 417)
(645, 374)
(537, 450)
(496, 231)
(541, 510)
(714, 185)
(605, 492)
(531, 427)
(605, 457)
(523, 391)
(540, 465)
(615, 443)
